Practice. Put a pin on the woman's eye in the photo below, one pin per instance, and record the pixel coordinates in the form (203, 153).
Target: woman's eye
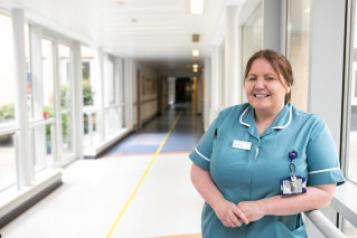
(269, 78)
(251, 78)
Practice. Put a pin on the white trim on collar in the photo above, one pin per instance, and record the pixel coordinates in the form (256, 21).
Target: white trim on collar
(241, 117)
(287, 124)
(275, 127)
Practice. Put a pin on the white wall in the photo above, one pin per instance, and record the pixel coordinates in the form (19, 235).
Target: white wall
(148, 90)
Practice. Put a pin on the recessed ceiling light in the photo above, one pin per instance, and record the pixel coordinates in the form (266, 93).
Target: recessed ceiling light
(120, 3)
(196, 6)
(195, 53)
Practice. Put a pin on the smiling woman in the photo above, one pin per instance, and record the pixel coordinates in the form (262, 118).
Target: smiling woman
(268, 81)
(263, 163)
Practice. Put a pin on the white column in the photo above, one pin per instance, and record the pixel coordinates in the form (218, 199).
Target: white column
(78, 100)
(326, 62)
(214, 83)
(118, 77)
(128, 93)
(221, 77)
(232, 89)
(207, 92)
(37, 89)
(100, 93)
(273, 32)
(25, 160)
(57, 149)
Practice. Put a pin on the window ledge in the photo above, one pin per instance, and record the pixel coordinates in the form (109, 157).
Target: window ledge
(14, 201)
(95, 150)
(345, 203)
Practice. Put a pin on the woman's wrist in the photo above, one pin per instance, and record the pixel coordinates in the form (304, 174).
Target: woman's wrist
(264, 206)
(216, 202)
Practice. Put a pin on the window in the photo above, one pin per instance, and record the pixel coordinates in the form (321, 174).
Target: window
(29, 90)
(110, 101)
(48, 94)
(109, 84)
(252, 38)
(252, 32)
(7, 77)
(352, 133)
(7, 105)
(89, 96)
(350, 119)
(66, 96)
(297, 49)
(88, 57)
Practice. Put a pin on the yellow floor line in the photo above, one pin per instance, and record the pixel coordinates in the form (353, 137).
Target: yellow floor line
(133, 193)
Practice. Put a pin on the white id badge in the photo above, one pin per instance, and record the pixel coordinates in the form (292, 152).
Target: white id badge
(243, 145)
(293, 186)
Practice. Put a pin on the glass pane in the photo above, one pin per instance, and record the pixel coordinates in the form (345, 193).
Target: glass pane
(88, 56)
(28, 72)
(252, 37)
(91, 135)
(109, 93)
(252, 34)
(65, 76)
(352, 159)
(297, 49)
(112, 119)
(7, 161)
(42, 144)
(7, 78)
(48, 79)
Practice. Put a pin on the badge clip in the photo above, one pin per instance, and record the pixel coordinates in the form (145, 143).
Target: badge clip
(294, 184)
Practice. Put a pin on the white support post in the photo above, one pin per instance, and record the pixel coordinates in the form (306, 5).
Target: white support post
(100, 94)
(207, 92)
(128, 93)
(38, 95)
(232, 89)
(118, 77)
(215, 81)
(78, 101)
(25, 162)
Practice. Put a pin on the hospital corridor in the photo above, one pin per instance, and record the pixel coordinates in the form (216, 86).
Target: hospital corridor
(170, 118)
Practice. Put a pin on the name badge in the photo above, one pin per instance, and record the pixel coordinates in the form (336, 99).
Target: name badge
(243, 145)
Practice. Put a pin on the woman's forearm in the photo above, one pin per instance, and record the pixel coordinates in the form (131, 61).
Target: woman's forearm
(203, 183)
(314, 198)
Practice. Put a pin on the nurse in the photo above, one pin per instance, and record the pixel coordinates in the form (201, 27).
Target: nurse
(263, 163)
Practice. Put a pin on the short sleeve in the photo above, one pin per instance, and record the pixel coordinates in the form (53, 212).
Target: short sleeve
(322, 157)
(201, 155)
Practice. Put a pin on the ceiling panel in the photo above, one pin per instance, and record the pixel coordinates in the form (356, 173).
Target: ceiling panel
(141, 29)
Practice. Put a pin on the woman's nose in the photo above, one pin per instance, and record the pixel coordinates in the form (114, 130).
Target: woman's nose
(259, 83)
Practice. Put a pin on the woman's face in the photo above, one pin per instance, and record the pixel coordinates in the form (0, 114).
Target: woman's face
(264, 89)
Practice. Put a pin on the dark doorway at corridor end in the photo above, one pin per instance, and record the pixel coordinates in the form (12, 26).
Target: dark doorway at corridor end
(183, 91)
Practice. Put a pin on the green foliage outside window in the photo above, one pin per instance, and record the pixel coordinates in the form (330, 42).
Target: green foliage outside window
(87, 93)
(7, 112)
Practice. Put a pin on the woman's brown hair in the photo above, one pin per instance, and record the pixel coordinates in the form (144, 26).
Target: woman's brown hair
(280, 64)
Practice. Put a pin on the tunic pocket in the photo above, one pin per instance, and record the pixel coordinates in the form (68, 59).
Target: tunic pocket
(296, 233)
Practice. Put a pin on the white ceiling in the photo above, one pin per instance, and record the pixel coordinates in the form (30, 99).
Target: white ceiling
(162, 31)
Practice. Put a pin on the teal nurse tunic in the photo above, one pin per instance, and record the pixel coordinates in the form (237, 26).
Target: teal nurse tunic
(253, 169)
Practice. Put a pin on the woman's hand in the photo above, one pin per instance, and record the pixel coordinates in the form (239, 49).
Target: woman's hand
(229, 214)
(253, 210)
